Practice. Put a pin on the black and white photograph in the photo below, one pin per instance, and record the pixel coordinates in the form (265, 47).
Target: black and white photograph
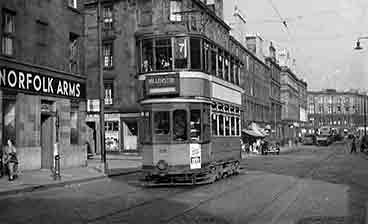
(183, 111)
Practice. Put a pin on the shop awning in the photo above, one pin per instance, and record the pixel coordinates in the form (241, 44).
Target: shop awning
(253, 133)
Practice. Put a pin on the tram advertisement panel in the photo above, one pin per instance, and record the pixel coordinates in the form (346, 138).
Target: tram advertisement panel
(162, 84)
(195, 156)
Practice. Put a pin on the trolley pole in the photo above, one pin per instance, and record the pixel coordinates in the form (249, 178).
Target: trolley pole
(101, 86)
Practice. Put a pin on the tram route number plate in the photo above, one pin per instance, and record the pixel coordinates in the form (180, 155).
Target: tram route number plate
(195, 156)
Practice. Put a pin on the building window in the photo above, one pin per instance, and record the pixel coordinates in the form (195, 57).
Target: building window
(73, 53)
(109, 93)
(8, 118)
(220, 63)
(175, 9)
(195, 53)
(163, 54)
(147, 55)
(227, 68)
(74, 125)
(180, 125)
(108, 17)
(107, 55)
(72, 3)
(181, 52)
(8, 35)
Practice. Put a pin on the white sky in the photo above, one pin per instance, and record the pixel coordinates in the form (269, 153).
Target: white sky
(322, 37)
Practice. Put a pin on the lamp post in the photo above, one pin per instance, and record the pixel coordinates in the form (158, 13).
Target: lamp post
(101, 87)
(358, 47)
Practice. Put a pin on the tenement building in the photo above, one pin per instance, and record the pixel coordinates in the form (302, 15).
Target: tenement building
(293, 101)
(343, 110)
(42, 95)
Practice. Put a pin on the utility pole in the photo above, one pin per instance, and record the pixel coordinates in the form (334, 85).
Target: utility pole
(365, 114)
(101, 84)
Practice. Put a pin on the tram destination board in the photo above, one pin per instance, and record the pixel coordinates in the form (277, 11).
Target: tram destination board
(167, 84)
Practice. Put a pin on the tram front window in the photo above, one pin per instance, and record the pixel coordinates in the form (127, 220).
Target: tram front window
(163, 54)
(195, 125)
(180, 125)
(162, 123)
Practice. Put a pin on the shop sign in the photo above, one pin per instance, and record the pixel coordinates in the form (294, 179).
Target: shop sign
(162, 84)
(195, 156)
(40, 83)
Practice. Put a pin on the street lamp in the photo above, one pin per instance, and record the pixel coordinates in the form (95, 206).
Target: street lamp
(358, 47)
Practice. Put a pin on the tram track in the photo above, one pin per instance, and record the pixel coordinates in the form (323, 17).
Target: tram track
(314, 167)
(172, 195)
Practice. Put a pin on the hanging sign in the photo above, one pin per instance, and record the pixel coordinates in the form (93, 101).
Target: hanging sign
(40, 83)
(195, 156)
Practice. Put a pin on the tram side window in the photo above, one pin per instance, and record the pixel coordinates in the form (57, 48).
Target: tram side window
(181, 52)
(161, 123)
(145, 128)
(147, 55)
(195, 53)
(195, 125)
(238, 131)
(163, 54)
(221, 125)
(233, 126)
(227, 126)
(180, 125)
(214, 125)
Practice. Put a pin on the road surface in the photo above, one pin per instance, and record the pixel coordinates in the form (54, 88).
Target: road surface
(309, 185)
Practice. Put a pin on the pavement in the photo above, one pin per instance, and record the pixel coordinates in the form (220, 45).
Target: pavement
(42, 179)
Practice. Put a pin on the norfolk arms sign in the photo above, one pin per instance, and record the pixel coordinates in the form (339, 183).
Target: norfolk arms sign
(41, 84)
(162, 84)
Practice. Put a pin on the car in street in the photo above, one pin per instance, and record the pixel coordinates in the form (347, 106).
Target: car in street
(309, 139)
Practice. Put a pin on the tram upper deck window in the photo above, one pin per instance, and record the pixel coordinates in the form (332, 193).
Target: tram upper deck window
(233, 126)
(181, 52)
(195, 53)
(163, 54)
(195, 125)
(161, 123)
(221, 124)
(180, 125)
(206, 56)
(227, 126)
(226, 67)
(220, 63)
(147, 55)
(213, 60)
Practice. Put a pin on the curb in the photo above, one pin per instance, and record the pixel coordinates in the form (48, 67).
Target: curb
(48, 186)
(40, 187)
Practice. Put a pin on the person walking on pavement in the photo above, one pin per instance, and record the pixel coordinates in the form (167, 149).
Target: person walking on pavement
(353, 146)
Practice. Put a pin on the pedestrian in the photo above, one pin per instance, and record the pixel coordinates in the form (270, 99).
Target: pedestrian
(353, 146)
(11, 160)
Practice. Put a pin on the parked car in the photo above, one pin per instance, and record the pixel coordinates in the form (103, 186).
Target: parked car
(309, 139)
(364, 143)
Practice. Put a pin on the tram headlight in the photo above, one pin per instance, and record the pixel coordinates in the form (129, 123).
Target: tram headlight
(162, 165)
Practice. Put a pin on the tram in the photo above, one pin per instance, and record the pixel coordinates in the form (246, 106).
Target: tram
(190, 124)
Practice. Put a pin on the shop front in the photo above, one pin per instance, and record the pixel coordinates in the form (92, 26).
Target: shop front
(42, 111)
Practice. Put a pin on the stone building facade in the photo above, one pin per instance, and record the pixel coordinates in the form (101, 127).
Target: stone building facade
(42, 96)
(343, 110)
(293, 100)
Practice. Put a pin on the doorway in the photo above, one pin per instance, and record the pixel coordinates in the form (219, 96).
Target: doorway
(47, 140)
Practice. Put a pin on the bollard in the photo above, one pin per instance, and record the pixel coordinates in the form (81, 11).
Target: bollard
(57, 175)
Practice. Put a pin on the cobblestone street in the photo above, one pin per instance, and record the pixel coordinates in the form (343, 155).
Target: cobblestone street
(309, 185)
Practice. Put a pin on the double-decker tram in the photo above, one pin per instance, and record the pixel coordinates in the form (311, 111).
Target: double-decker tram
(191, 110)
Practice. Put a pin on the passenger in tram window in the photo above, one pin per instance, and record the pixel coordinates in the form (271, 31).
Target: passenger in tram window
(164, 63)
(146, 67)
